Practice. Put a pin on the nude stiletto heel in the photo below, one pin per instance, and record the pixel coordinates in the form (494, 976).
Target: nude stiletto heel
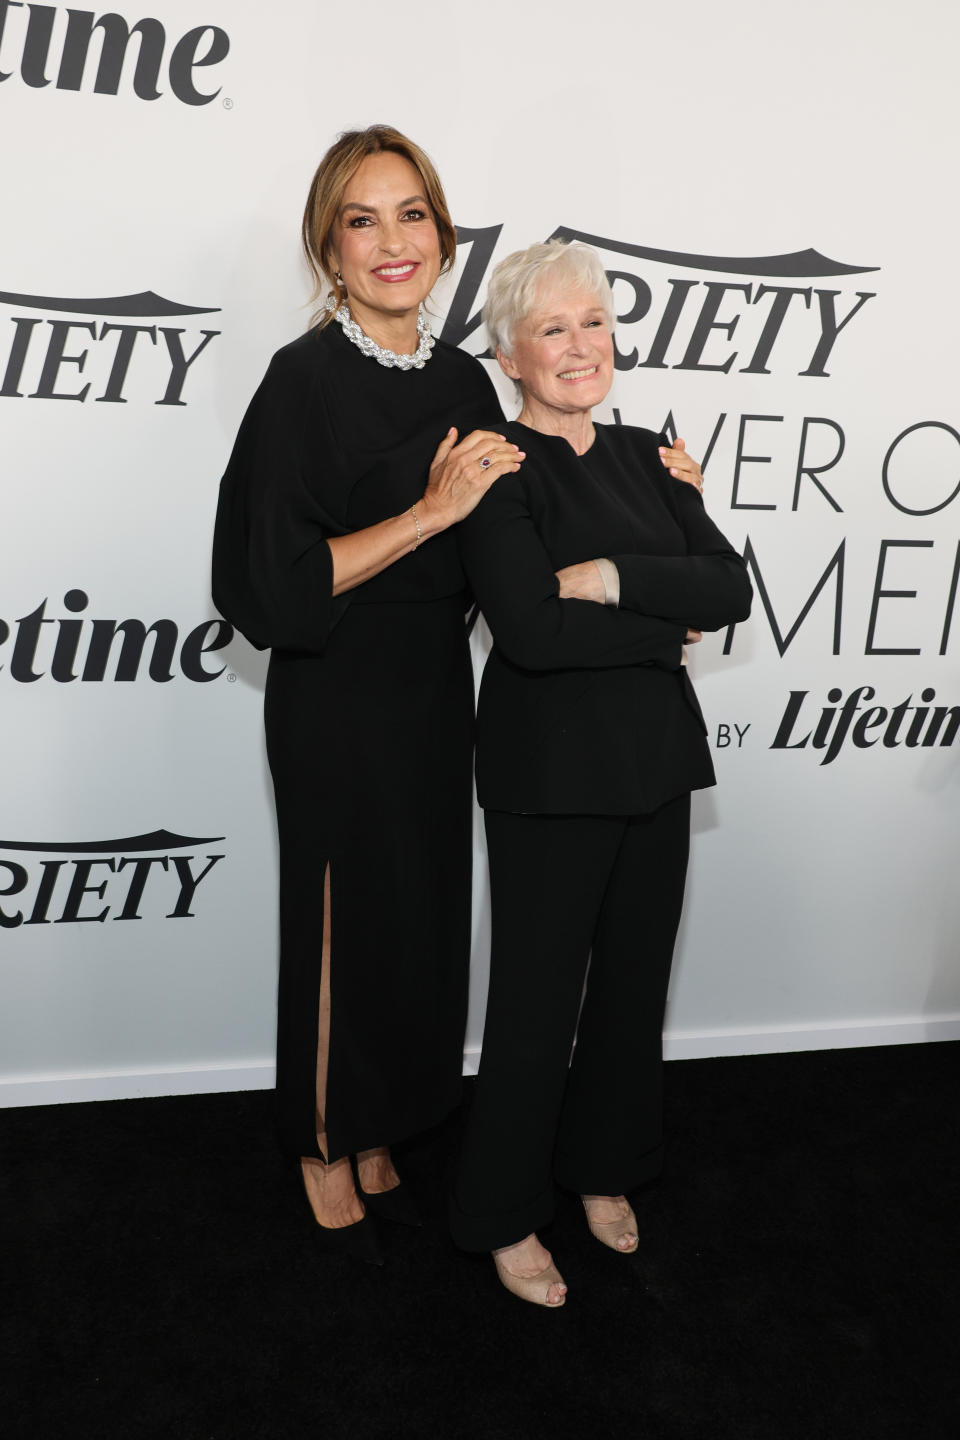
(609, 1232)
(532, 1288)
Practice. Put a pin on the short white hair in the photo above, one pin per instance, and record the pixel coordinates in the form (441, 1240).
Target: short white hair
(517, 281)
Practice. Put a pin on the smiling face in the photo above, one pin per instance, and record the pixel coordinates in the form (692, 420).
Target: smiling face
(562, 354)
(385, 244)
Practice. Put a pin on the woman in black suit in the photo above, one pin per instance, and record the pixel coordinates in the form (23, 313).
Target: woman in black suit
(593, 568)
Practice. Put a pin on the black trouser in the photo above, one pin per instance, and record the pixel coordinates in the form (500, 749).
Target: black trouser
(561, 886)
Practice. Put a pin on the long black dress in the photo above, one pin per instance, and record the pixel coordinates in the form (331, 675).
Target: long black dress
(369, 722)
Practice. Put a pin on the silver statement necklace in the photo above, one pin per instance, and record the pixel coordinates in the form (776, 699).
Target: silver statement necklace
(416, 361)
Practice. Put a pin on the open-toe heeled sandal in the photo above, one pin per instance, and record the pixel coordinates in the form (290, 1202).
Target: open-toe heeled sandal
(608, 1232)
(532, 1288)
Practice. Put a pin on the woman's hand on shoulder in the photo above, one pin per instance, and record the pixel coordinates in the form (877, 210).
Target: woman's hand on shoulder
(582, 582)
(462, 473)
(681, 465)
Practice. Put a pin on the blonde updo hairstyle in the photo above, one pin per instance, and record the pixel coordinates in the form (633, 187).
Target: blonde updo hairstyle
(325, 201)
(518, 281)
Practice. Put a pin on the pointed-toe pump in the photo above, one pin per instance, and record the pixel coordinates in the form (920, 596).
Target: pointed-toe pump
(359, 1241)
(397, 1206)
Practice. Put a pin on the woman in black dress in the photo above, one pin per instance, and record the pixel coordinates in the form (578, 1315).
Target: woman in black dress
(589, 742)
(333, 547)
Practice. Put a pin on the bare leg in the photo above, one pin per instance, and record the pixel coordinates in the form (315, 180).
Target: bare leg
(376, 1171)
(330, 1188)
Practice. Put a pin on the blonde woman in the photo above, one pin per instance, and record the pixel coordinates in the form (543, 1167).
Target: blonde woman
(334, 548)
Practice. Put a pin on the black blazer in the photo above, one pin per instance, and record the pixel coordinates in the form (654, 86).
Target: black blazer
(586, 709)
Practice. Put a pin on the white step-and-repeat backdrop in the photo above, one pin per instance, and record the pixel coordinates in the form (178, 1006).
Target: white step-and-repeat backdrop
(772, 190)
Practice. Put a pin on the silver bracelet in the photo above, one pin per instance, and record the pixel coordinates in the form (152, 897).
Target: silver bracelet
(413, 512)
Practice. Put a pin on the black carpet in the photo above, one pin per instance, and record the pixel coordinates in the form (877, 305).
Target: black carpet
(797, 1276)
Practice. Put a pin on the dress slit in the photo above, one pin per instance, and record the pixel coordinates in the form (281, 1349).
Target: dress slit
(323, 1022)
(375, 865)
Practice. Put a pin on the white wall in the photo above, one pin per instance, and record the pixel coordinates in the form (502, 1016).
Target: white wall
(821, 906)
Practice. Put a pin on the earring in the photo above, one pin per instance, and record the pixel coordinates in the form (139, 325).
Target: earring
(338, 277)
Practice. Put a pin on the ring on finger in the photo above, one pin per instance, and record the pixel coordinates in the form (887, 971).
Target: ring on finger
(485, 463)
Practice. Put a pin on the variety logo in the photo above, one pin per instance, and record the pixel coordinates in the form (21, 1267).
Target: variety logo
(50, 45)
(744, 325)
(44, 359)
(67, 883)
(69, 649)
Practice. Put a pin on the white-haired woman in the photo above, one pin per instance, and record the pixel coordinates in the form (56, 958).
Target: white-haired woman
(592, 567)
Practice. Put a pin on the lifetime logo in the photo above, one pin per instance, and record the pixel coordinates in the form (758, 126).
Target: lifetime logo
(866, 725)
(48, 26)
(69, 649)
(151, 875)
(38, 364)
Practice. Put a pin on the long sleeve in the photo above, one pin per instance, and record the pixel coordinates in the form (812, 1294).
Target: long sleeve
(272, 568)
(707, 588)
(513, 578)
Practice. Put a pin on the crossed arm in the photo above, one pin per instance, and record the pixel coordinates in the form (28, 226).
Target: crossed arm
(540, 623)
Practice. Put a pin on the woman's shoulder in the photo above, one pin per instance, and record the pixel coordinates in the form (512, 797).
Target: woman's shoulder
(537, 443)
(298, 371)
(464, 370)
(322, 351)
(632, 439)
(308, 355)
(453, 355)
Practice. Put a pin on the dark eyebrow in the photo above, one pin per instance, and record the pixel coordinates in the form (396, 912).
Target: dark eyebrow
(372, 209)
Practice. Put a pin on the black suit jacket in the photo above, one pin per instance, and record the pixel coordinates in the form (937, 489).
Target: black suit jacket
(586, 709)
